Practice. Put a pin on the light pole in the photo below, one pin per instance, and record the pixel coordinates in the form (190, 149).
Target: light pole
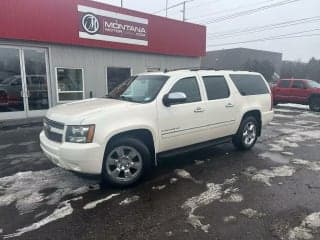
(184, 11)
(121, 3)
(167, 8)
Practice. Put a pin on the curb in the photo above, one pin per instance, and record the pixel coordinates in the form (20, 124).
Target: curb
(20, 123)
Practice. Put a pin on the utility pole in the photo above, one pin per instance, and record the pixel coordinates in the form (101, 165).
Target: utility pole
(184, 11)
(167, 8)
(121, 3)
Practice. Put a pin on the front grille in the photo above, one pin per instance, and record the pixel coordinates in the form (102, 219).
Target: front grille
(54, 123)
(53, 130)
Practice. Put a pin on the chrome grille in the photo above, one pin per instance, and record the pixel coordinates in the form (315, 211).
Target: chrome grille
(53, 130)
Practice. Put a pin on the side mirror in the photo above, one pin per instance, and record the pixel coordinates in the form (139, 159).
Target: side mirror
(174, 98)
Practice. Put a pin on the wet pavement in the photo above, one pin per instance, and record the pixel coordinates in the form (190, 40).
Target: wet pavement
(270, 192)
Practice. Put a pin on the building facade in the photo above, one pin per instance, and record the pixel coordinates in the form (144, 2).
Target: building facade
(58, 51)
(238, 58)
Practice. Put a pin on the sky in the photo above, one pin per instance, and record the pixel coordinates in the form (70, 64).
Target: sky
(212, 13)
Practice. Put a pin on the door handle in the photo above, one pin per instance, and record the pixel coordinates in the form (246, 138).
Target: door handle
(199, 110)
(229, 105)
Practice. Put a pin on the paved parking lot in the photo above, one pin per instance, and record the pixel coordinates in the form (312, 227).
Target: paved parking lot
(270, 192)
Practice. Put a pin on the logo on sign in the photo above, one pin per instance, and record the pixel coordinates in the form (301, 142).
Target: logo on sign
(90, 23)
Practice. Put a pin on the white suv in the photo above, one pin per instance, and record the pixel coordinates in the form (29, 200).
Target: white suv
(154, 115)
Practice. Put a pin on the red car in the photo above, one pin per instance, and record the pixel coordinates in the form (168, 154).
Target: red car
(301, 91)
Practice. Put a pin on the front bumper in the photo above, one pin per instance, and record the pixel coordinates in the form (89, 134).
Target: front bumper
(85, 158)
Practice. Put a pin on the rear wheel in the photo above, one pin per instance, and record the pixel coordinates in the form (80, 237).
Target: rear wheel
(247, 134)
(314, 104)
(126, 162)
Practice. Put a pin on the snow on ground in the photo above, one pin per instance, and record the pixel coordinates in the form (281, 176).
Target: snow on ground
(251, 213)
(279, 115)
(173, 180)
(64, 209)
(311, 165)
(186, 175)
(160, 187)
(93, 204)
(129, 200)
(309, 226)
(229, 219)
(265, 175)
(5, 146)
(213, 193)
(27, 143)
(26, 189)
(292, 105)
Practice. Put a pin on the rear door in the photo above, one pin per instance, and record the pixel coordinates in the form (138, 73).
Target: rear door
(299, 92)
(221, 107)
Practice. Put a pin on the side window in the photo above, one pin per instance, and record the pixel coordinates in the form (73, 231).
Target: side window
(284, 83)
(190, 87)
(249, 84)
(297, 84)
(216, 87)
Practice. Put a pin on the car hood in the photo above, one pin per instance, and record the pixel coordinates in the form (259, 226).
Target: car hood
(76, 112)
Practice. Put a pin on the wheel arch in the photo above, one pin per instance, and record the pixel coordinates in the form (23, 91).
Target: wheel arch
(257, 115)
(313, 95)
(145, 135)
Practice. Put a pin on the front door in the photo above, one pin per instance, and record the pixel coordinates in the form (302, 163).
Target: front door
(182, 124)
(23, 82)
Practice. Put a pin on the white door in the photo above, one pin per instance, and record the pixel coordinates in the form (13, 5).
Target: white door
(221, 107)
(23, 82)
(182, 124)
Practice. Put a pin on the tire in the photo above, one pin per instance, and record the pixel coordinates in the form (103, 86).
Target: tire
(314, 104)
(128, 169)
(241, 140)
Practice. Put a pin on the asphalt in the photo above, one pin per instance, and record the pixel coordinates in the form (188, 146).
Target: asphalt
(269, 192)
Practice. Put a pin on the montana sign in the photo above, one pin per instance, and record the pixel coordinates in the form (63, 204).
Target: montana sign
(110, 26)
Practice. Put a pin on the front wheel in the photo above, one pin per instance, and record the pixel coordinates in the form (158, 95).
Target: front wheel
(126, 161)
(314, 104)
(247, 134)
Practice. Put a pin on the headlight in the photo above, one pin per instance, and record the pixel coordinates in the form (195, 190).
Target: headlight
(80, 134)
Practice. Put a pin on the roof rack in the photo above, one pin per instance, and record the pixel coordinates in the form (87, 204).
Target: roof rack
(187, 69)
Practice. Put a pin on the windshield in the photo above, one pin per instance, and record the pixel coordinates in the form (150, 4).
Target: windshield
(140, 89)
(313, 84)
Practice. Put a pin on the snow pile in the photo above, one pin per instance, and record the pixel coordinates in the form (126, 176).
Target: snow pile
(307, 228)
(26, 189)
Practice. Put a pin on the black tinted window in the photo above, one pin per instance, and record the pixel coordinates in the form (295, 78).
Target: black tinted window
(190, 87)
(298, 84)
(249, 84)
(216, 87)
(284, 83)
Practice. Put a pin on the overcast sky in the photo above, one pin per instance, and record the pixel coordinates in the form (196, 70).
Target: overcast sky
(204, 11)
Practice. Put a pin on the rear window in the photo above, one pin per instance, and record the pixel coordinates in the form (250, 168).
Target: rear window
(216, 87)
(298, 84)
(284, 83)
(248, 84)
